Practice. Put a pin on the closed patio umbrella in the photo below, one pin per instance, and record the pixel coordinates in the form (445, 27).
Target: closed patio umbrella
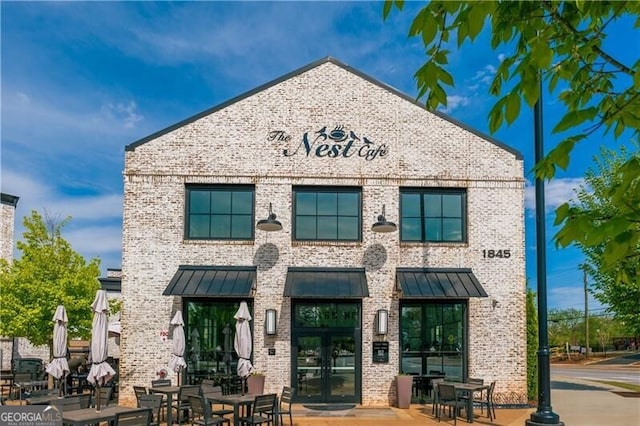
(177, 363)
(243, 341)
(59, 366)
(100, 372)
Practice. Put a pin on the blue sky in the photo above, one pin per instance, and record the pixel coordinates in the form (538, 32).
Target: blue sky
(80, 80)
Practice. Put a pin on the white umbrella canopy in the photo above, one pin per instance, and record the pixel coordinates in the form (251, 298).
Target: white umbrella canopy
(243, 341)
(59, 366)
(177, 363)
(100, 372)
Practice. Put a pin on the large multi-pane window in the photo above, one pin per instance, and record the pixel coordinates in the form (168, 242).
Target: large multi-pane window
(327, 214)
(210, 331)
(433, 215)
(433, 338)
(220, 212)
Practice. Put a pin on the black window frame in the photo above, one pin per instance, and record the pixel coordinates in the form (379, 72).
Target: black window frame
(422, 192)
(421, 346)
(219, 188)
(326, 190)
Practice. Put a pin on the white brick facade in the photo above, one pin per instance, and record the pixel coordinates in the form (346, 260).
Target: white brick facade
(230, 145)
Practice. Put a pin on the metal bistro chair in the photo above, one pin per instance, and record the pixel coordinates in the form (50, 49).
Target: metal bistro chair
(71, 403)
(486, 400)
(159, 383)
(155, 403)
(181, 404)
(448, 397)
(201, 412)
(285, 404)
(104, 392)
(139, 391)
(428, 384)
(434, 384)
(262, 406)
(211, 392)
(139, 417)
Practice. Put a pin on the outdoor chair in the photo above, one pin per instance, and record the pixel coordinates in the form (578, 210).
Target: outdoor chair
(21, 382)
(104, 392)
(71, 403)
(159, 383)
(155, 403)
(211, 392)
(486, 400)
(434, 386)
(139, 391)
(201, 412)
(428, 384)
(262, 406)
(448, 397)
(285, 404)
(181, 404)
(140, 417)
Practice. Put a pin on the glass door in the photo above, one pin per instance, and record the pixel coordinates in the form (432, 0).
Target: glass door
(325, 366)
(326, 352)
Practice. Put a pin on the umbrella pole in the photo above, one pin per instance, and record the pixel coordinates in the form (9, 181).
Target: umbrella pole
(97, 391)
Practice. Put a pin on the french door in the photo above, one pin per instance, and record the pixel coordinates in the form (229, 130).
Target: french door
(326, 363)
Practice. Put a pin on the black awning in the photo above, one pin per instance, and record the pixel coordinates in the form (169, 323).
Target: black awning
(326, 283)
(212, 281)
(438, 283)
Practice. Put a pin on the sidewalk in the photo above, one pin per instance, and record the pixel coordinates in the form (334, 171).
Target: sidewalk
(417, 414)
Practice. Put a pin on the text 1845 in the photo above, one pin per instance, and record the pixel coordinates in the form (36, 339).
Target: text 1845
(491, 254)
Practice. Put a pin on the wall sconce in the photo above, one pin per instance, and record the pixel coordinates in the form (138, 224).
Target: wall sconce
(382, 225)
(271, 326)
(494, 303)
(382, 322)
(270, 223)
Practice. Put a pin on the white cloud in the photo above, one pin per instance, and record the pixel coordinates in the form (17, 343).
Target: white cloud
(122, 112)
(454, 102)
(37, 195)
(95, 228)
(571, 296)
(556, 192)
(95, 241)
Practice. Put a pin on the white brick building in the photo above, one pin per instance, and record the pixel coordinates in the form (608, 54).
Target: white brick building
(328, 147)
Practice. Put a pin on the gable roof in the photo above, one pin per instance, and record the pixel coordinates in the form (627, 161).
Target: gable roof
(134, 145)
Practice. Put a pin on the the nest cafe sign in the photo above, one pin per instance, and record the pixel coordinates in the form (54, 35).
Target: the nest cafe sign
(339, 142)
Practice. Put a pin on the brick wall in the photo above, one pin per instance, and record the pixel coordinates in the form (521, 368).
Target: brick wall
(231, 145)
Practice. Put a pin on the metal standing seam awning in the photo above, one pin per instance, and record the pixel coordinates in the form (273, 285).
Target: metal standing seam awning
(438, 283)
(326, 283)
(212, 281)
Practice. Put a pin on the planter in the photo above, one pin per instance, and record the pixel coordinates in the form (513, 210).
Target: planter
(255, 384)
(404, 389)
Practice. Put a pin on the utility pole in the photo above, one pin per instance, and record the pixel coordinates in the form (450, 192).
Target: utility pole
(586, 313)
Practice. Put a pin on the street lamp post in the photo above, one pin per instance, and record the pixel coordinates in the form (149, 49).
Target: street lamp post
(544, 414)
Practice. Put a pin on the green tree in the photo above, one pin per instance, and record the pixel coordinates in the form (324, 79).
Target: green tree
(562, 41)
(566, 326)
(596, 212)
(48, 273)
(532, 347)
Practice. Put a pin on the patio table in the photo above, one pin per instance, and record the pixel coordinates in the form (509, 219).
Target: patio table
(469, 389)
(87, 416)
(238, 400)
(169, 391)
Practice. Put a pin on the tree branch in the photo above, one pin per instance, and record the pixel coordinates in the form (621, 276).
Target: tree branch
(548, 6)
